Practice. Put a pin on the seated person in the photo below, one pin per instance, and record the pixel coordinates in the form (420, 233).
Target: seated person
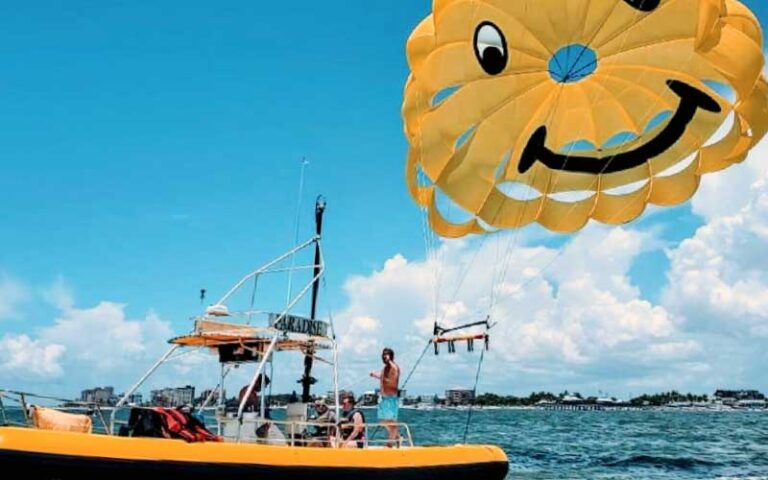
(352, 425)
(321, 435)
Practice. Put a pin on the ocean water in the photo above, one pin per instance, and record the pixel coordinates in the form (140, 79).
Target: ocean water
(602, 445)
(648, 444)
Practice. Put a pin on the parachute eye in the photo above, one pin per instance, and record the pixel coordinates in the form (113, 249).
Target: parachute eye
(644, 5)
(491, 48)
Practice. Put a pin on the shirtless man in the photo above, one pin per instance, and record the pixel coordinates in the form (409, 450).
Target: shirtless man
(389, 403)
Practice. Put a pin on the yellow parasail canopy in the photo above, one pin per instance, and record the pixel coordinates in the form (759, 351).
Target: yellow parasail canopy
(558, 111)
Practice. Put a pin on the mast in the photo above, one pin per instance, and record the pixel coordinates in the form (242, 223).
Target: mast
(307, 380)
(319, 210)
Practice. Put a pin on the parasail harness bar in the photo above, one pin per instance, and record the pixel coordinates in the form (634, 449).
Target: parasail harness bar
(439, 336)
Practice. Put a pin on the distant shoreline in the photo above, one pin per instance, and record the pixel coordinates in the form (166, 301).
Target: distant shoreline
(598, 409)
(478, 408)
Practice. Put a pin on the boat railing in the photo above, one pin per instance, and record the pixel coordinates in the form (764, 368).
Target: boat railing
(251, 429)
(26, 400)
(309, 433)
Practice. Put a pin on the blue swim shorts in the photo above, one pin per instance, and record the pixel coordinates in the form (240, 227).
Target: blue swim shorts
(388, 407)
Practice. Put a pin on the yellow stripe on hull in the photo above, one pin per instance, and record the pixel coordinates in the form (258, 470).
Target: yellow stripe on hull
(68, 444)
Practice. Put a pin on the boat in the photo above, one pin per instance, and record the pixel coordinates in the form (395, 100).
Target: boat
(757, 404)
(52, 444)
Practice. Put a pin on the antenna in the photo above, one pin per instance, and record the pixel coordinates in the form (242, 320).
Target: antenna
(304, 163)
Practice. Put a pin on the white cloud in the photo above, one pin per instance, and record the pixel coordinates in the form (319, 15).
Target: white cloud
(59, 295)
(719, 277)
(556, 310)
(83, 347)
(21, 356)
(106, 347)
(675, 350)
(567, 317)
(360, 336)
(104, 338)
(725, 193)
(12, 294)
(571, 317)
(99, 345)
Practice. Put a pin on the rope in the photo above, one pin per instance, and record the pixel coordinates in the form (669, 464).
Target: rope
(330, 308)
(474, 394)
(503, 258)
(415, 365)
(507, 260)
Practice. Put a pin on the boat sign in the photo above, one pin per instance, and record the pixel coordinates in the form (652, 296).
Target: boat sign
(294, 324)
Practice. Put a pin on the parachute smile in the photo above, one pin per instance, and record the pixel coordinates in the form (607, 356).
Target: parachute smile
(691, 100)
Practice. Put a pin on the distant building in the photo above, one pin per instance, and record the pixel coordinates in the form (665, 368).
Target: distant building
(732, 397)
(751, 404)
(173, 397)
(135, 399)
(609, 401)
(459, 396)
(99, 395)
(571, 399)
(209, 392)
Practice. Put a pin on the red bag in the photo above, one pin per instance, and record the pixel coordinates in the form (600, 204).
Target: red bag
(185, 426)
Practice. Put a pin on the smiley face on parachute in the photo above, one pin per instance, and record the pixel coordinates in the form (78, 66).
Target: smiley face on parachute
(595, 108)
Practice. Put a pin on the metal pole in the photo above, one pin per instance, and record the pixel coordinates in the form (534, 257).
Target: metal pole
(24, 407)
(319, 211)
(221, 399)
(307, 381)
(335, 353)
(107, 428)
(262, 397)
(2, 410)
(264, 268)
(299, 296)
(213, 391)
(252, 385)
(336, 378)
(139, 384)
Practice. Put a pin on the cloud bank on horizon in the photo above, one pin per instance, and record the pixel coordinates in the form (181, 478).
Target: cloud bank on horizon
(571, 317)
(568, 316)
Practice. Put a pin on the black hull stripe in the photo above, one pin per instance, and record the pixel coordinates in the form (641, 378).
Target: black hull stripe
(38, 466)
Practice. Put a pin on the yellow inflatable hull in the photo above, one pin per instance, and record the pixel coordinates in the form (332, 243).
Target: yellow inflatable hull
(42, 454)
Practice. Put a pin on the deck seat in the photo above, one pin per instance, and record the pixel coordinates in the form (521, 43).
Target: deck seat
(50, 419)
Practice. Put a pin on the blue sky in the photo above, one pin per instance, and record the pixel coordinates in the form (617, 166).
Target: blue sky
(153, 148)
(160, 142)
